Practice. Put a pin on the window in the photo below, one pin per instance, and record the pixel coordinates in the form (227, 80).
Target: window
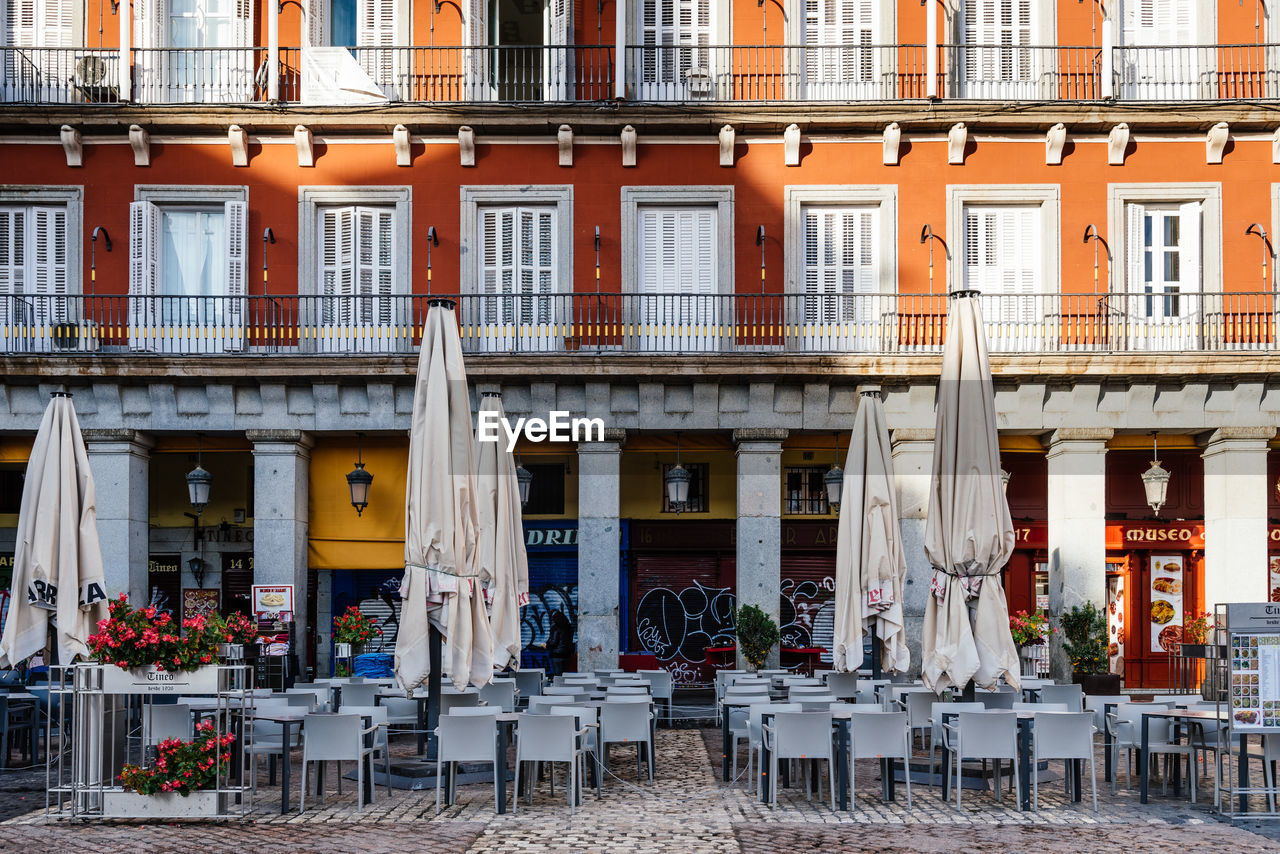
(1167, 263)
(519, 242)
(12, 478)
(675, 60)
(187, 269)
(1008, 251)
(677, 253)
(40, 268)
(187, 70)
(840, 62)
(840, 250)
(807, 491)
(698, 490)
(546, 490)
(357, 267)
(37, 74)
(997, 57)
(1155, 61)
(355, 255)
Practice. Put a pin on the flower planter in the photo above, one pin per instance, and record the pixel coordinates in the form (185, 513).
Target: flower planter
(342, 650)
(1027, 659)
(1105, 684)
(117, 803)
(231, 651)
(152, 680)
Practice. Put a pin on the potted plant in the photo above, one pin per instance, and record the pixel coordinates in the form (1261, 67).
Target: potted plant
(1029, 631)
(1084, 629)
(1195, 635)
(240, 635)
(351, 631)
(182, 781)
(148, 652)
(757, 634)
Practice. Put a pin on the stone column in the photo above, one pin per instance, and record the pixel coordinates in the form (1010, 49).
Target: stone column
(912, 468)
(759, 529)
(1235, 515)
(281, 471)
(599, 547)
(120, 461)
(1077, 507)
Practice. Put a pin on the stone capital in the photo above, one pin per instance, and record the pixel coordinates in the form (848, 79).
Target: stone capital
(612, 436)
(1064, 435)
(1246, 434)
(760, 434)
(114, 435)
(903, 435)
(280, 437)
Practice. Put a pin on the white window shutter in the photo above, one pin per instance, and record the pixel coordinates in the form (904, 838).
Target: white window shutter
(1190, 272)
(149, 19)
(39, 23)
(1135, 247)
(377, 26)
(243, 26)
(49, 262)
(144, 273)
(236, 227)
(13, 248)
(477, 31)
(316, 33)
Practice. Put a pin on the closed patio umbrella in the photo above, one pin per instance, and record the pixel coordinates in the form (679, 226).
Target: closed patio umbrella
(870, 564)
(441, 588)
(503, 563)
(57, 562)
(968, 535)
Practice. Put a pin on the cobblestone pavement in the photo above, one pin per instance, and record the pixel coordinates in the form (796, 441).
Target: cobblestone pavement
(686, 809)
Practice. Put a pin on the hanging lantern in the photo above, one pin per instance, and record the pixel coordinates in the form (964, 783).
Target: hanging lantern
(359, 481)
(199, 483)
(524, 479)
(677, 481)
(1155, 480)
(1004, 479)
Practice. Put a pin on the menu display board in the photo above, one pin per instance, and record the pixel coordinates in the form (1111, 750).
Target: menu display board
(199, 602)
(1166, 602)
(1115, 623)
(1255, 666)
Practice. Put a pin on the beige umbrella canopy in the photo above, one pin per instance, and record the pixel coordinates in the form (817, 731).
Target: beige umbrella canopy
(503, 564)
(57, 562)
(441, 584)
(870, 564)
(968, 536)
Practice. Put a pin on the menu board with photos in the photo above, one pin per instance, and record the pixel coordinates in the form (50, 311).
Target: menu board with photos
(1274, 579)
(1115, 623)
(1255, 681)
(1166, 602)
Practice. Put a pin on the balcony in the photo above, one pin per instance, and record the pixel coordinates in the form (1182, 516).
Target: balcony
(599, 323)
(653, 74)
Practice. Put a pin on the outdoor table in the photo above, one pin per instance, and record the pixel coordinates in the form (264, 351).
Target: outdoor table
(1177, 717)
(286, 721)
(421, 727)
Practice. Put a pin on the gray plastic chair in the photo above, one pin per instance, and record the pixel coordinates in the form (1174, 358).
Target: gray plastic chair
(549, 738)
(982, 735)
(1072, 695)
(529, 682)
(1066, 736)
(336, 738)
(999, 700)
(381, 748)
(500, 693)
(454, 701)
(800, 735)
(358, 694)
(661, 688)
(164, 722)
(627, 723)
(882, 735)
(465, 738)
(843, 685)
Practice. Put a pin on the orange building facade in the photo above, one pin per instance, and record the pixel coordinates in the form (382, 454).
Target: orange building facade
(710, 225)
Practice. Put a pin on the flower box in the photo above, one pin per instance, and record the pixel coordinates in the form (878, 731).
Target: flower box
(117, 803)
(152, 680)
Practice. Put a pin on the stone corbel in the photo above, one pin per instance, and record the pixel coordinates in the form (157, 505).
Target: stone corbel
(238, 139)
(400, 139)
(72, 145)
(1275, 146)
(726, 145)
(140, 142)
(957, 137)
(564, 142)
(303, 142)
(892, 144)
(791, 145)
(628, 146)
(1117, 142)
(1215, 142)
(467, 146)
(1054, 141)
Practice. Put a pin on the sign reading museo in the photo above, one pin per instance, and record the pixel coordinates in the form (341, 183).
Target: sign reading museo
(558, 427)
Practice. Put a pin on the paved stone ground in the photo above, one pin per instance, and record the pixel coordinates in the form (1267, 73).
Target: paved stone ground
(686, 809)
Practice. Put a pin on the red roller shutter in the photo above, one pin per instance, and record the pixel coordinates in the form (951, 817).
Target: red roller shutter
(807, 606)
(683, 604)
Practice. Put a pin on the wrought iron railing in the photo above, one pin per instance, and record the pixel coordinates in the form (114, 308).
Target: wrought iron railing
(654, 73)
(638, 323)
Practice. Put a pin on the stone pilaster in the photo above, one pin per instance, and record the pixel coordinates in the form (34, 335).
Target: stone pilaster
(912, 467)
(281, 489)
(120, 461)
(599, 547)
(1235, 515)
(759, 529)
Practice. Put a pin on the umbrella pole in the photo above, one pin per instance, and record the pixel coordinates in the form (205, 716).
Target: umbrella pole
(434, 638)
(876, 653)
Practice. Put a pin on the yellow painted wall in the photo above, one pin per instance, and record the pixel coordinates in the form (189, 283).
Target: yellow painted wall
(641, 488)
(168, 485)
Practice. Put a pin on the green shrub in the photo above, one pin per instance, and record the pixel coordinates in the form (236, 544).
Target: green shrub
(757, 633)
(1084, 631)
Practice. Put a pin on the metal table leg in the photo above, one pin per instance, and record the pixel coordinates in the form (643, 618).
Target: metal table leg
(286, 765)
(1107, 708)
(724, 741)
(842, 759)
(500, 767)
(1142, 757)
(1025, 769)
